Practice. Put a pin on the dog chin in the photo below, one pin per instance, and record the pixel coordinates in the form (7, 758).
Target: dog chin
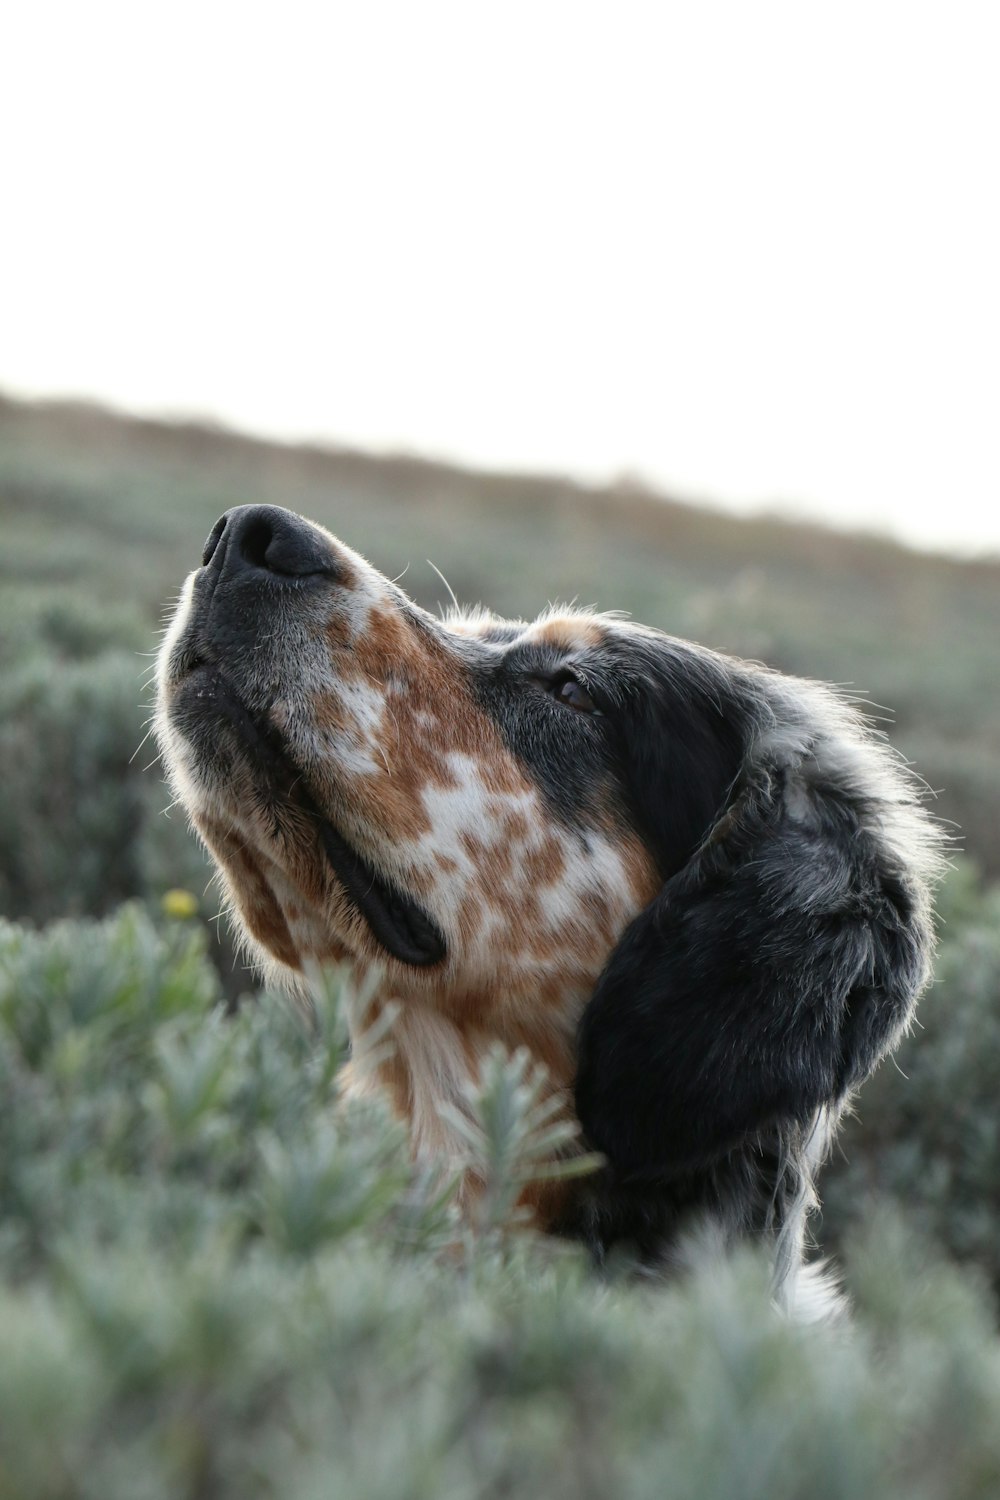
(227, 740)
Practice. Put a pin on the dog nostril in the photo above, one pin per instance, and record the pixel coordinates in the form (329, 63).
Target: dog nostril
(214, 538)
(254, 542)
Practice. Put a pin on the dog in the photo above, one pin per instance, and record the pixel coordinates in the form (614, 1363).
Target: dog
(697, 890)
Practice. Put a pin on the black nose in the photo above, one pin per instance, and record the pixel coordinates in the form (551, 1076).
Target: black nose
(270, 540)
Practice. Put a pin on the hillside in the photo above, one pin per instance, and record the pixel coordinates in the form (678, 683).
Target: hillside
(99, 507)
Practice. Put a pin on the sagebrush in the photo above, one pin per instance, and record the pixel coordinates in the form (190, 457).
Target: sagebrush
(214, 1280)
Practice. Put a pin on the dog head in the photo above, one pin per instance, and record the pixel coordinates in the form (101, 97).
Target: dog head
(696, 889)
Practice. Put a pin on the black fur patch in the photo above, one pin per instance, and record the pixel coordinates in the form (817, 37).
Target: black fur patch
(765, 982)
(784, 953)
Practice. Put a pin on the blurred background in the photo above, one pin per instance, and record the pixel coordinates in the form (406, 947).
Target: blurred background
(691, 311)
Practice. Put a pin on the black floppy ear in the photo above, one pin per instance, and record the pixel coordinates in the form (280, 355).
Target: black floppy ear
(767, 979)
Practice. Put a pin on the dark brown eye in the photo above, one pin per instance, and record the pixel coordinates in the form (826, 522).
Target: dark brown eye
(574, 695)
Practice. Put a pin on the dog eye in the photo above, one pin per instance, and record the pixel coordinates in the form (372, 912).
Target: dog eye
(574, 695)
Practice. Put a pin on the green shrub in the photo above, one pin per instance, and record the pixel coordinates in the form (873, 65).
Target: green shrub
(59, 625)
(80, 829)
(216, 1281)
(71, 805)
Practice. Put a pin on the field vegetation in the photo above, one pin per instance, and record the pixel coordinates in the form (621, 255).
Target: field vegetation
(213, 1281)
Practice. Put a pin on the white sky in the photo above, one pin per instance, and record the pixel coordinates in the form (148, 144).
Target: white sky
(750, 251)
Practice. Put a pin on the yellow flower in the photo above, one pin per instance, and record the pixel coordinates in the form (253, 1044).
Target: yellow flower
(178, 903)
